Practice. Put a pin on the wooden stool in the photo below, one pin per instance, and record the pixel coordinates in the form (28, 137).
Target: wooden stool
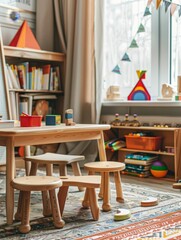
(90, 198)
(36, 183)
(54, 158)
(106, 167)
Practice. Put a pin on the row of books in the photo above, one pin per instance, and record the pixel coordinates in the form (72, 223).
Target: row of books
(138, 164)
(24, 76)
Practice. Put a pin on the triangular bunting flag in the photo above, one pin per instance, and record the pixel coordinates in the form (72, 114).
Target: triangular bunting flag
(126, 58)
(141, 28)
(149, 2)
(158, 2)
(179, 11)
(167, 4)
(24, 38)
(147, 12)
(173, 7)
(133, 44)
(116, 70)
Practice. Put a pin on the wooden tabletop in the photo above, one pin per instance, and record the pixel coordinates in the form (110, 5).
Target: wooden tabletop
(58, 128)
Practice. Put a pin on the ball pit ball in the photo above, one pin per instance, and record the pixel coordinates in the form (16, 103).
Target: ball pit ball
(159, 169)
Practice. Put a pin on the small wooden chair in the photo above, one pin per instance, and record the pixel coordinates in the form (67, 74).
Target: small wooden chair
(90, 197)
(36, 183)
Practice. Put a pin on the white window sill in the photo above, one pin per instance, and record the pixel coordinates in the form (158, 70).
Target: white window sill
(162, 103)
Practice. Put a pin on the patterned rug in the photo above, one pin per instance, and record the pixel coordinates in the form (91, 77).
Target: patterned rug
(79, 223)
(167, 226)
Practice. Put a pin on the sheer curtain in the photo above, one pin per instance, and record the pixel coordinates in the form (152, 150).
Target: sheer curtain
(72, 26)
(120, 21)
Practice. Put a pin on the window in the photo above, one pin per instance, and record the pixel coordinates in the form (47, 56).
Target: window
(176, 47)
(148, 49)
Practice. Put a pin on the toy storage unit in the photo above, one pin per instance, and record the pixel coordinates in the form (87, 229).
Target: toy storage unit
(155, 143)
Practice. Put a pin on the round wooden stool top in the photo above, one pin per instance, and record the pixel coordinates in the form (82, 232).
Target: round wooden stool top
(104, 166)
(36, 183)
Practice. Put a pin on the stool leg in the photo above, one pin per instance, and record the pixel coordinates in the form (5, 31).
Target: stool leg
(18, 214)
(25, 226)
(63, 169)
(117, 180)
(85, 202)
(62, 195)
(106, 192)
(58, 222)
(33, 170)
(93, 203)
(49, 169)
(47, 211)
(77, 172)
(101, 192)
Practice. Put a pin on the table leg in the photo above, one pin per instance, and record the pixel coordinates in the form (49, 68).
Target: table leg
(10, 173)
(101, 148)
(27, 163)
(106, 193)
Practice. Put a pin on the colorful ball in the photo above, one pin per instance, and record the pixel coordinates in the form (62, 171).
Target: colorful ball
(159, 169)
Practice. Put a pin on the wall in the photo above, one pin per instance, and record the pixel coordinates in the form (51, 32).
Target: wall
(10, 27)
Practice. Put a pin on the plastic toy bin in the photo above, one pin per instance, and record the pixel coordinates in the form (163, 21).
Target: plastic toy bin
(143, 143)
(30, 121)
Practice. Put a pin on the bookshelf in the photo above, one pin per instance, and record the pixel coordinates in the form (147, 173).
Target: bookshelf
(34, 76)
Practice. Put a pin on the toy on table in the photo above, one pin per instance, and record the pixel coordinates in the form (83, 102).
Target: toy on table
(149, 202)
(52, 119)
(69, 118)
(122, 214)
(159, 169)
(30, 121)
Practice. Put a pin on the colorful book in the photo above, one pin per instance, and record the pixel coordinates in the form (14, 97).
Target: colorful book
(137, 167)
(141, 156)
(46, 76)
(139, 162)
(136, 174)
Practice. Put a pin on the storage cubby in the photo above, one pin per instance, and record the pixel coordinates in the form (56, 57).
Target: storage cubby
(169, 140)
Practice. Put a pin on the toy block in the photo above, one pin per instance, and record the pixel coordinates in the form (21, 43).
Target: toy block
(52, 119)
(69, 117)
